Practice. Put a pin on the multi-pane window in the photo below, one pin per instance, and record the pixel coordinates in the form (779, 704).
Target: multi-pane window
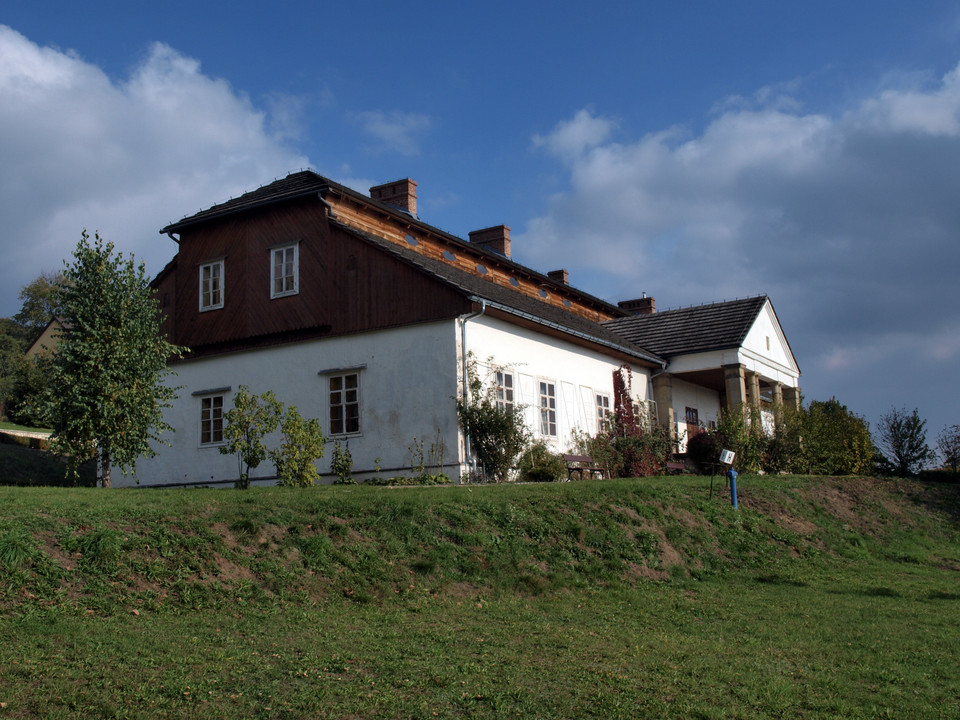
(211, 286)
(285, 272)
(692, 418)
(505, 391)
(603, 412)
(211, 420)
(548, 408)
(345, 403)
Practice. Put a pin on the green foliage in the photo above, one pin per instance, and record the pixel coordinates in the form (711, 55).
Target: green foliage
(902, 441)
(106, 394)
(639, 447)
(948, 443)
(250, 419)
(341, 464)
(29, 379)
(302, 444)
(16, 334)
(824, 439)
(12, 346)
(409, 481)
(944, 475)
(538, 464)
(836, 441)
(641, 452)
(497, 434)
(419, 463)
(704, 448)
(40, 300)
(633, 444)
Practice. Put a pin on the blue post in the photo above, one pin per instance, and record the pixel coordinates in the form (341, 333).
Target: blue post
(732, 475)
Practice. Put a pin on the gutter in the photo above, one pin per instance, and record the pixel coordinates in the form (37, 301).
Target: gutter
(463, 319)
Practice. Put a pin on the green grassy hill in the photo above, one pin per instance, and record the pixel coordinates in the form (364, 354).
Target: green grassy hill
(631, 598)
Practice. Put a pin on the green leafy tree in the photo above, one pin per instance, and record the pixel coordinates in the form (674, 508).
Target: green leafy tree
(902, 441)
(302, 444)
(40, 303)
(497, 434)
(251, 418)
(12, 346)
(16, 334)
(948, 443)
(106, 394)
(29, 380)
(836, 441)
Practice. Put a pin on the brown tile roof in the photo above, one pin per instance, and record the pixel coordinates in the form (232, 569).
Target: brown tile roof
(701, 328)
(509, 300)
(294, 185)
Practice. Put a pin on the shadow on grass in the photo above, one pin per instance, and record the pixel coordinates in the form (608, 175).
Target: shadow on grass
(943, 498)
(29, 467)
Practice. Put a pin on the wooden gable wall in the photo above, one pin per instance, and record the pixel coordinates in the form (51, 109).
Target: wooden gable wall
(394, 227)
(345, 285)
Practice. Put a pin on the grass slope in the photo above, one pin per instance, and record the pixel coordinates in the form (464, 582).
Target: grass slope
(632, 598)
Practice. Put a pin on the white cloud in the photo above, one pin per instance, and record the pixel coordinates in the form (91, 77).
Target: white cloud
(396, 131)
(571, 138)
(125, 157)
(849, 222)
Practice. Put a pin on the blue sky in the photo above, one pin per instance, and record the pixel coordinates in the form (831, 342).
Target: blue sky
(693, 151)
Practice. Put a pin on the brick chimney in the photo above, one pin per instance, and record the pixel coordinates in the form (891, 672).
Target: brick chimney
(401, 193)
(640, 306)
(561, 276)
(493, 238)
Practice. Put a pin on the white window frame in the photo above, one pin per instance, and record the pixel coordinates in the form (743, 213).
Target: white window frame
(604, 413)
(209, 407)
(341, 394)
(294, 276)
(547, 392)
(506, 390)
(208, 289)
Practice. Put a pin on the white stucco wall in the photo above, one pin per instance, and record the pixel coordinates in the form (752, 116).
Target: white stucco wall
(765, 350)
(706, 401)
(408, 386)
(577, 373)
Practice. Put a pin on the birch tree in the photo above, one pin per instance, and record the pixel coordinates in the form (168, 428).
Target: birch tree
(106, 395)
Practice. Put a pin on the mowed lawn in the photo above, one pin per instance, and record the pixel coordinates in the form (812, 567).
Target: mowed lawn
(869, 631)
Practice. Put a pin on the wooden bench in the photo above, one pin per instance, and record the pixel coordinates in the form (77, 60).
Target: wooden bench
(579, 464)
(676, 468)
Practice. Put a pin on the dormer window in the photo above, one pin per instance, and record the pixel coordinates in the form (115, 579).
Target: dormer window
(285, 273)
(211, 286)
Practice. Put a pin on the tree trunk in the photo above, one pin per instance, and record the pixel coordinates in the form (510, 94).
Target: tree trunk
(104, 467)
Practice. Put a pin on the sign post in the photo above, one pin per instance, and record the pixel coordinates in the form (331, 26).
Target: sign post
(726, 458)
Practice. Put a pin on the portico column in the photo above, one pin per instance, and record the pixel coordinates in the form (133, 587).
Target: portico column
(754, 383)
(791, 397)
(734, 383)
(663, 396)
(777, 394)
